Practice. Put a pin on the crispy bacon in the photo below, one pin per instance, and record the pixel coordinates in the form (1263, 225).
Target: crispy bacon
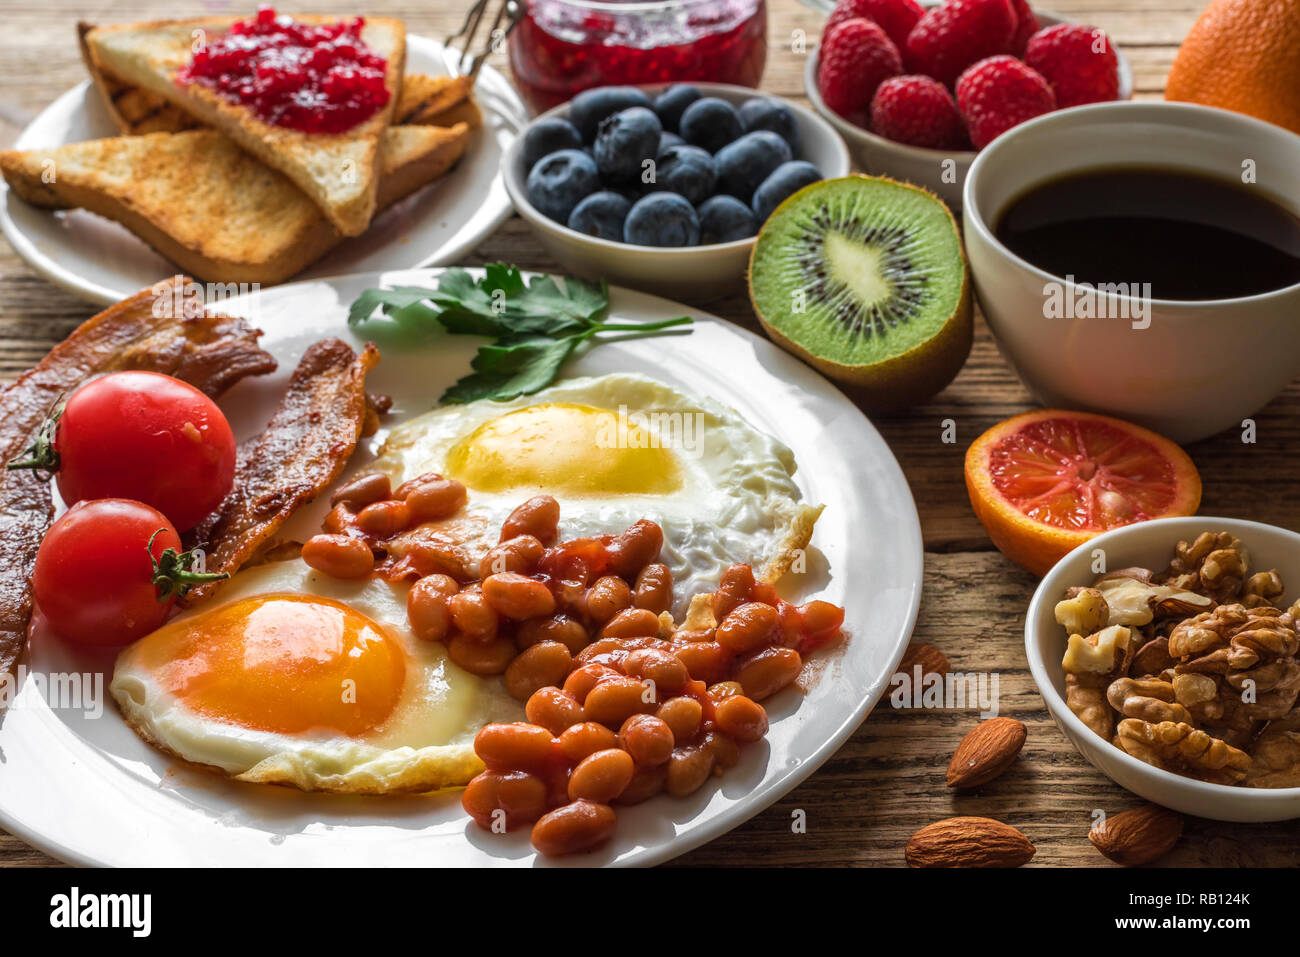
(211, 352)
(302, 452)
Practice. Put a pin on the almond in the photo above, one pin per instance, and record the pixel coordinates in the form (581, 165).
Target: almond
(987, 751)
(968, 842)
(930, 658)
(1139, 836)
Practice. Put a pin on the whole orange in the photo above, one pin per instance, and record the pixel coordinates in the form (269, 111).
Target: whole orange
(1243, 55)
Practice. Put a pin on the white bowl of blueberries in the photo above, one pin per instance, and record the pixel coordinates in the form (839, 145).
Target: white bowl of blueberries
(664, 188)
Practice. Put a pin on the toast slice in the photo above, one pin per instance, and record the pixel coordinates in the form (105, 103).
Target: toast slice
(426, 100)
(173, 190)
(338, 171)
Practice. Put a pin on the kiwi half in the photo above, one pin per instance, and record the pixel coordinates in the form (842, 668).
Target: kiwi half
(864, 278)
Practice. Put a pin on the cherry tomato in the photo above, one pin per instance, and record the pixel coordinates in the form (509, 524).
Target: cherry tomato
(146, 437)
(109, 571)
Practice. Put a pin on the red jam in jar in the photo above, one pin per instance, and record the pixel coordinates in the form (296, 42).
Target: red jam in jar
(562, 47)
(312, 78)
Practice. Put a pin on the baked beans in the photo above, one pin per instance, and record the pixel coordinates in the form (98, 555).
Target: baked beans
(567, 631)
(426, 606)
(586, 737)
(574, 827)
(740, 717)
(541, 665)
(766, 672)
(471, 613)
(632, 623)
(601, 776)
(733, 590)
(554, 709)
(688, 769)
(431, 497)
(384, 519)
(707, 661)
(647, 781)
(519, 554)
(614, 699)
(513, 797)
(538, 517)
(606, 598)
(483, 657)
(666, 670)
(362, 490)
(635, 548)
(583, 678)
(338, 556)
(654, 588)
(746, 627)
(683, 715)
(647, 738)
(514, 747)
(518, 597)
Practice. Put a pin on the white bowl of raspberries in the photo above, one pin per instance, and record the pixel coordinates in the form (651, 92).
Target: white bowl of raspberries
(916, 90)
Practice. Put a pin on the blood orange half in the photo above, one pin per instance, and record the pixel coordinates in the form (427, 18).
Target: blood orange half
(1043, 483)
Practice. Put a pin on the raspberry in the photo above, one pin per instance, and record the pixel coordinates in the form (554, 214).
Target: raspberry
(917, 110)
(895, 17)
(1026, 27)
(950, 38)
(999, 93)
(1078, 61)
(855, 57)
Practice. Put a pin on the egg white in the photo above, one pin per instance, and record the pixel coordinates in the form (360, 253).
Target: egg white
(738, 501)
(426, 743)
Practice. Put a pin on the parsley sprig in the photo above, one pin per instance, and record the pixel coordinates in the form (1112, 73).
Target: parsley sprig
(534, 326)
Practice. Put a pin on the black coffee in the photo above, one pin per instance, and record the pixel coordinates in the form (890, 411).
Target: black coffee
(1189, 236)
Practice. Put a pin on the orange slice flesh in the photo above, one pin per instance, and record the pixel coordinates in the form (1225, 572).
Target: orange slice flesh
(1043, 483)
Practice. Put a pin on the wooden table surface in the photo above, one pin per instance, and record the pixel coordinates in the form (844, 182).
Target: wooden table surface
(888, 780)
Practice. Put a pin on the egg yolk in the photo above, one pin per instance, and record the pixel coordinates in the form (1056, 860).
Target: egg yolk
(565, 448)
(282, 663)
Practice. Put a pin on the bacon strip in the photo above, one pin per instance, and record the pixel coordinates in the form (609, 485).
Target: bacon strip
(211, 352)
(302, 452)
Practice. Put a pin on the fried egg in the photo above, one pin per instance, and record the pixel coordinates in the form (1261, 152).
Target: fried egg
(613, 450)
(289, 676)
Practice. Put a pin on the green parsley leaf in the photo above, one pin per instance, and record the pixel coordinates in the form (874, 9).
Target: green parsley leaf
(535, 325)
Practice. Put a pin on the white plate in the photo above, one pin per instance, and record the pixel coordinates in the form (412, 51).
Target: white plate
(103, 262)
(89, 791)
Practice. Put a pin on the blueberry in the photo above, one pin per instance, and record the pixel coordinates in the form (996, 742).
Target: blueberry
(560, 181)
(601, 215)
(786, 180)
(625, 142)
(662, 219)
(671, 103)
(724, 219)
(710, 123)
(744, 164)
(668, 139)
(547, 136)
(591, 106)
(687, 170)
(764, 113)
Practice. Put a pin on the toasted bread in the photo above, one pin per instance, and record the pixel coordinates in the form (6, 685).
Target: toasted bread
(208, 206)
(338, 171)
(426, 100)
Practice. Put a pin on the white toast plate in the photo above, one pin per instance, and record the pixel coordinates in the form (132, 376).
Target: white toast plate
(103, 262)
(85, 789)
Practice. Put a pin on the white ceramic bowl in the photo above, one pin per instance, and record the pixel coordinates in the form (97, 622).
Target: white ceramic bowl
(942, 171)
(1150, 545)
(693, 273)
(1197, 367)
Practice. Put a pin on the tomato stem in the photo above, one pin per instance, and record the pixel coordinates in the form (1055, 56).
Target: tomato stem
(173, 571)
(41, 456)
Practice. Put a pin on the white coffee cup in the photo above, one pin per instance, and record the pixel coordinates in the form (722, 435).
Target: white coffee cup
(1186, 369)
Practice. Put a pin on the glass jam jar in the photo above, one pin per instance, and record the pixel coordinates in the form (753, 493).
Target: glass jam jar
(562, 47)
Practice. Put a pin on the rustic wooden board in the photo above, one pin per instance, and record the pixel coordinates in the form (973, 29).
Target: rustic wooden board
(887, 781)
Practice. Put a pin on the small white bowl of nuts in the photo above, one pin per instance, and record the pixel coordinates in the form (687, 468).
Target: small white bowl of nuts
(1169, 653)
